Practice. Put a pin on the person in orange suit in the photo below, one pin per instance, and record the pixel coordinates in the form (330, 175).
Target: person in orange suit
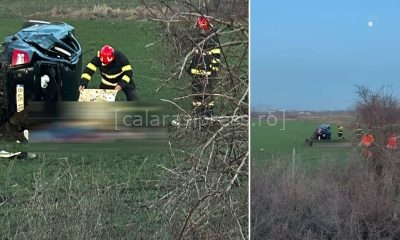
(392, 142)
(367, 141)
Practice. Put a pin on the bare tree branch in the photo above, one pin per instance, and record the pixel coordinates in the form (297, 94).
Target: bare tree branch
(208, 177)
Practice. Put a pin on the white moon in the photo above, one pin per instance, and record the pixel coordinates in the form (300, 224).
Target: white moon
(370, 23)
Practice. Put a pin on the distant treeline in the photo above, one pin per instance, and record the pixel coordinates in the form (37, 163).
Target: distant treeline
(292, 114)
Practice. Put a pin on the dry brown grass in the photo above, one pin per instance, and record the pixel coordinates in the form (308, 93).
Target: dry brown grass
(358, 201)
(350, 203)
(102, 11)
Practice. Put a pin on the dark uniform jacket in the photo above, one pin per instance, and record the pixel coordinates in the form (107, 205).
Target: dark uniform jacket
(207, 57)
(119, 71)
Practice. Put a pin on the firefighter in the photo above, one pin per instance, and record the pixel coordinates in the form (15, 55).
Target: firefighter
(340, 131)
(366, 141)
(115, 70)
(203, 68)
(358, 130)
(392, 142)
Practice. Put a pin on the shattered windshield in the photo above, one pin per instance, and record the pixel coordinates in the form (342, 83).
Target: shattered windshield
(44, 35)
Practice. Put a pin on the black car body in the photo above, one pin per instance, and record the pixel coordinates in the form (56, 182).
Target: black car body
(323, 131)
(41, 62)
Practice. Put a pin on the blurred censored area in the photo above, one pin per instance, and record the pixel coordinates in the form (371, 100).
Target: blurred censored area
(97, 127)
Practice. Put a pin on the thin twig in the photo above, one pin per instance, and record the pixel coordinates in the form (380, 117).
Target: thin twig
(244, 160)
(166, 100)
(190, 214)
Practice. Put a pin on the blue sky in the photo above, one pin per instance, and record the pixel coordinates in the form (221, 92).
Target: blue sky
(310, 54)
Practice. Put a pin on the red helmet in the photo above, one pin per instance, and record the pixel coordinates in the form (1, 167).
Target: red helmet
(203, 23)
(106, 54)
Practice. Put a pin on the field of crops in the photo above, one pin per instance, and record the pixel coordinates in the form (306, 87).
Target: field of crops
(276, 141)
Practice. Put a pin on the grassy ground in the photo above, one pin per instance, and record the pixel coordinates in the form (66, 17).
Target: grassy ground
(82, 196)
(274, 141)
(95, 190)
(103, 196)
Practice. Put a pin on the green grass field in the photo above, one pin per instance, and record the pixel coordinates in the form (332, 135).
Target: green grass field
(274, 141)
(115, 196)
(87, 195)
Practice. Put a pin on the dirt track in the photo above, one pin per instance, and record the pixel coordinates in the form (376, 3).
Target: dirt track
(332, 144)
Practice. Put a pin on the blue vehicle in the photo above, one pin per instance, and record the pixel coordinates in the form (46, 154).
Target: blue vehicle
(41, 62)
(323, 132)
